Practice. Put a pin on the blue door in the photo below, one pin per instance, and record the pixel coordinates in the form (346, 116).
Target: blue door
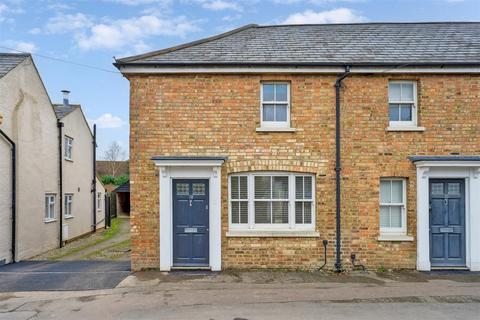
(447, 222)
(190, 223)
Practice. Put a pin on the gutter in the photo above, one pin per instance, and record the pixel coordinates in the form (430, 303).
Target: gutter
(94, 180)
(338, 167)
(14, 193)
(60, 178)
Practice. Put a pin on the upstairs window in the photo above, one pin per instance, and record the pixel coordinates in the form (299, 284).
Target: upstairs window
(272, 200)
(402, 103)
(68, 148)
(49, 207)
(275, 105)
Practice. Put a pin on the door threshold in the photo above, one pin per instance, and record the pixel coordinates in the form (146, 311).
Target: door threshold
(448, 268)
(190, 268)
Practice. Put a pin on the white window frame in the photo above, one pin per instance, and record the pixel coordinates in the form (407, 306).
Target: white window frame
(50, 209)
(285, 227)
(275, 124)
(99, 201)
(68, 206)
(403, 229)
(413, 122)
(68, 152)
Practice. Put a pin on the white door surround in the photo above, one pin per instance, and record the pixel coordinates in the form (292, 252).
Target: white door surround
(189, 168)
(467, 168)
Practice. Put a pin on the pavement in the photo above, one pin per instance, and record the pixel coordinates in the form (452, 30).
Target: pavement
(240, 295)
(62, 275)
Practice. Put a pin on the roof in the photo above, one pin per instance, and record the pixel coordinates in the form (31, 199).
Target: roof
(444, 158)
(434, 43)
(8, 61)
(62, 110)
(123, 187)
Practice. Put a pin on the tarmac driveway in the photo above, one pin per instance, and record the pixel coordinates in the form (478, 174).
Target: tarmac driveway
(62, 275)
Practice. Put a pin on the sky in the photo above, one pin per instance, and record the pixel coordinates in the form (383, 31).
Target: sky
(74, 42)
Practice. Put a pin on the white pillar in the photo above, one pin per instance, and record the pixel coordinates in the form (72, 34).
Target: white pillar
(474, 225)
(423, 223)
(165, 220)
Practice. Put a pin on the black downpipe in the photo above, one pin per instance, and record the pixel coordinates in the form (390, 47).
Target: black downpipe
(14, 192)
(60, 177)
(338, 167)
(94, 181)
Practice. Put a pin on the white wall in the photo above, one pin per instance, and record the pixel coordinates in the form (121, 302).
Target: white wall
(29, 119)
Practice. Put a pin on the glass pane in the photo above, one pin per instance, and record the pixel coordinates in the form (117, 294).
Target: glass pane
(394, 111)
(307, 212)
(281, 92)
(234, 187)
(437, 188)
(385, 191)
(182, 189)
(384, 217)
(307, 188)
(244, 212)
(198, 189)
(397, 191)
(235, 214)
(281, 112)
(454, 188)
(243, 188)
(299, 187)
(280, 187)
(394, 92)
(262, 187)
(299, 212)
(406, 113)
(396, 217)
(268, 92)
(280, 212)
(407, 91)
(262, 211)
(268, 112)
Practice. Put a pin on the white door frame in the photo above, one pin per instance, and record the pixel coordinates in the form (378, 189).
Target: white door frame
(189, 169)
(468, 170)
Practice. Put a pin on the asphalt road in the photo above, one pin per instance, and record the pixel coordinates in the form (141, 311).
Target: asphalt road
(62, 275)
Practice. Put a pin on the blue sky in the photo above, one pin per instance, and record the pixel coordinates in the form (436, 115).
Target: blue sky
(93, 32)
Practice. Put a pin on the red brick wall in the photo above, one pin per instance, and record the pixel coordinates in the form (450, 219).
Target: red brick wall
(217, 115)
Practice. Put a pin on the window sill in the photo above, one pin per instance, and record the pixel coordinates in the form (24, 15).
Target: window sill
(395, 237)
(49, 220)
(273, 233)
(264, 129)
(405, 128)
(69, 217)
(69, 160)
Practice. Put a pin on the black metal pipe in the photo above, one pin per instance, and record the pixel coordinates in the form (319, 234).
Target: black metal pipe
(60, 179)
(338, 167)
(94, 180)
(14, 192)
(325, 243)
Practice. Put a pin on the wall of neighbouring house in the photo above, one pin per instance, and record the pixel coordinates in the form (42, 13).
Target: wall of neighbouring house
(218, 114)
(29, 119)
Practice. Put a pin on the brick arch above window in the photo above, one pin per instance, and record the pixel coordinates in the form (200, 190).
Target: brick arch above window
(318, 168)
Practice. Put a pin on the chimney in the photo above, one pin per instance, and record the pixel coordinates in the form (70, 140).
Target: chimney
(66, 94)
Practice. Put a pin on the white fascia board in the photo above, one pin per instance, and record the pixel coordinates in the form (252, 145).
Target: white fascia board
(470, 164)
(188, 163)
(299, 70)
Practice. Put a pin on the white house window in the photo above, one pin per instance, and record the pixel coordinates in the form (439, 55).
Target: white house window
(402, 103)
(68, 148)
(99, 201)
(272, 200)
(49, 207)
(393, 206)
(275, 105)
(68, 205)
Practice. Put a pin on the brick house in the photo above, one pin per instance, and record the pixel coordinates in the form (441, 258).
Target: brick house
(250, 148)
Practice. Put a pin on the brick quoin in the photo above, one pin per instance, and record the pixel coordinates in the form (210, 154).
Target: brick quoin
(204, 115)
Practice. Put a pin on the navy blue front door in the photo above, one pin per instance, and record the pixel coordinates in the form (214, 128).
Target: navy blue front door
(447, 222)
(190, 223)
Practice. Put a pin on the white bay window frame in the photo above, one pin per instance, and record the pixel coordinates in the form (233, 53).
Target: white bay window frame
(291, 226)
(274, 124)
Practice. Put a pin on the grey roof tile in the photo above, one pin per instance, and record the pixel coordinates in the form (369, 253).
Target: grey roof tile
(62, 110)
(8, 61)
(368, 43)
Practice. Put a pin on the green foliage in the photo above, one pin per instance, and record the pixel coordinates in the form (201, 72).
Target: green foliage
(115, 181)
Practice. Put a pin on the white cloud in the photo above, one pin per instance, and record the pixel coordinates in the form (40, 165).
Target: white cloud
(340, 15)
(142, 2)
(64, 23)
(132, 32)
(107, 121)
(218, 5)
(22, 46)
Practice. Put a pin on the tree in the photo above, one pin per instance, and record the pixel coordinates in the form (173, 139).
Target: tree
(113, 155)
